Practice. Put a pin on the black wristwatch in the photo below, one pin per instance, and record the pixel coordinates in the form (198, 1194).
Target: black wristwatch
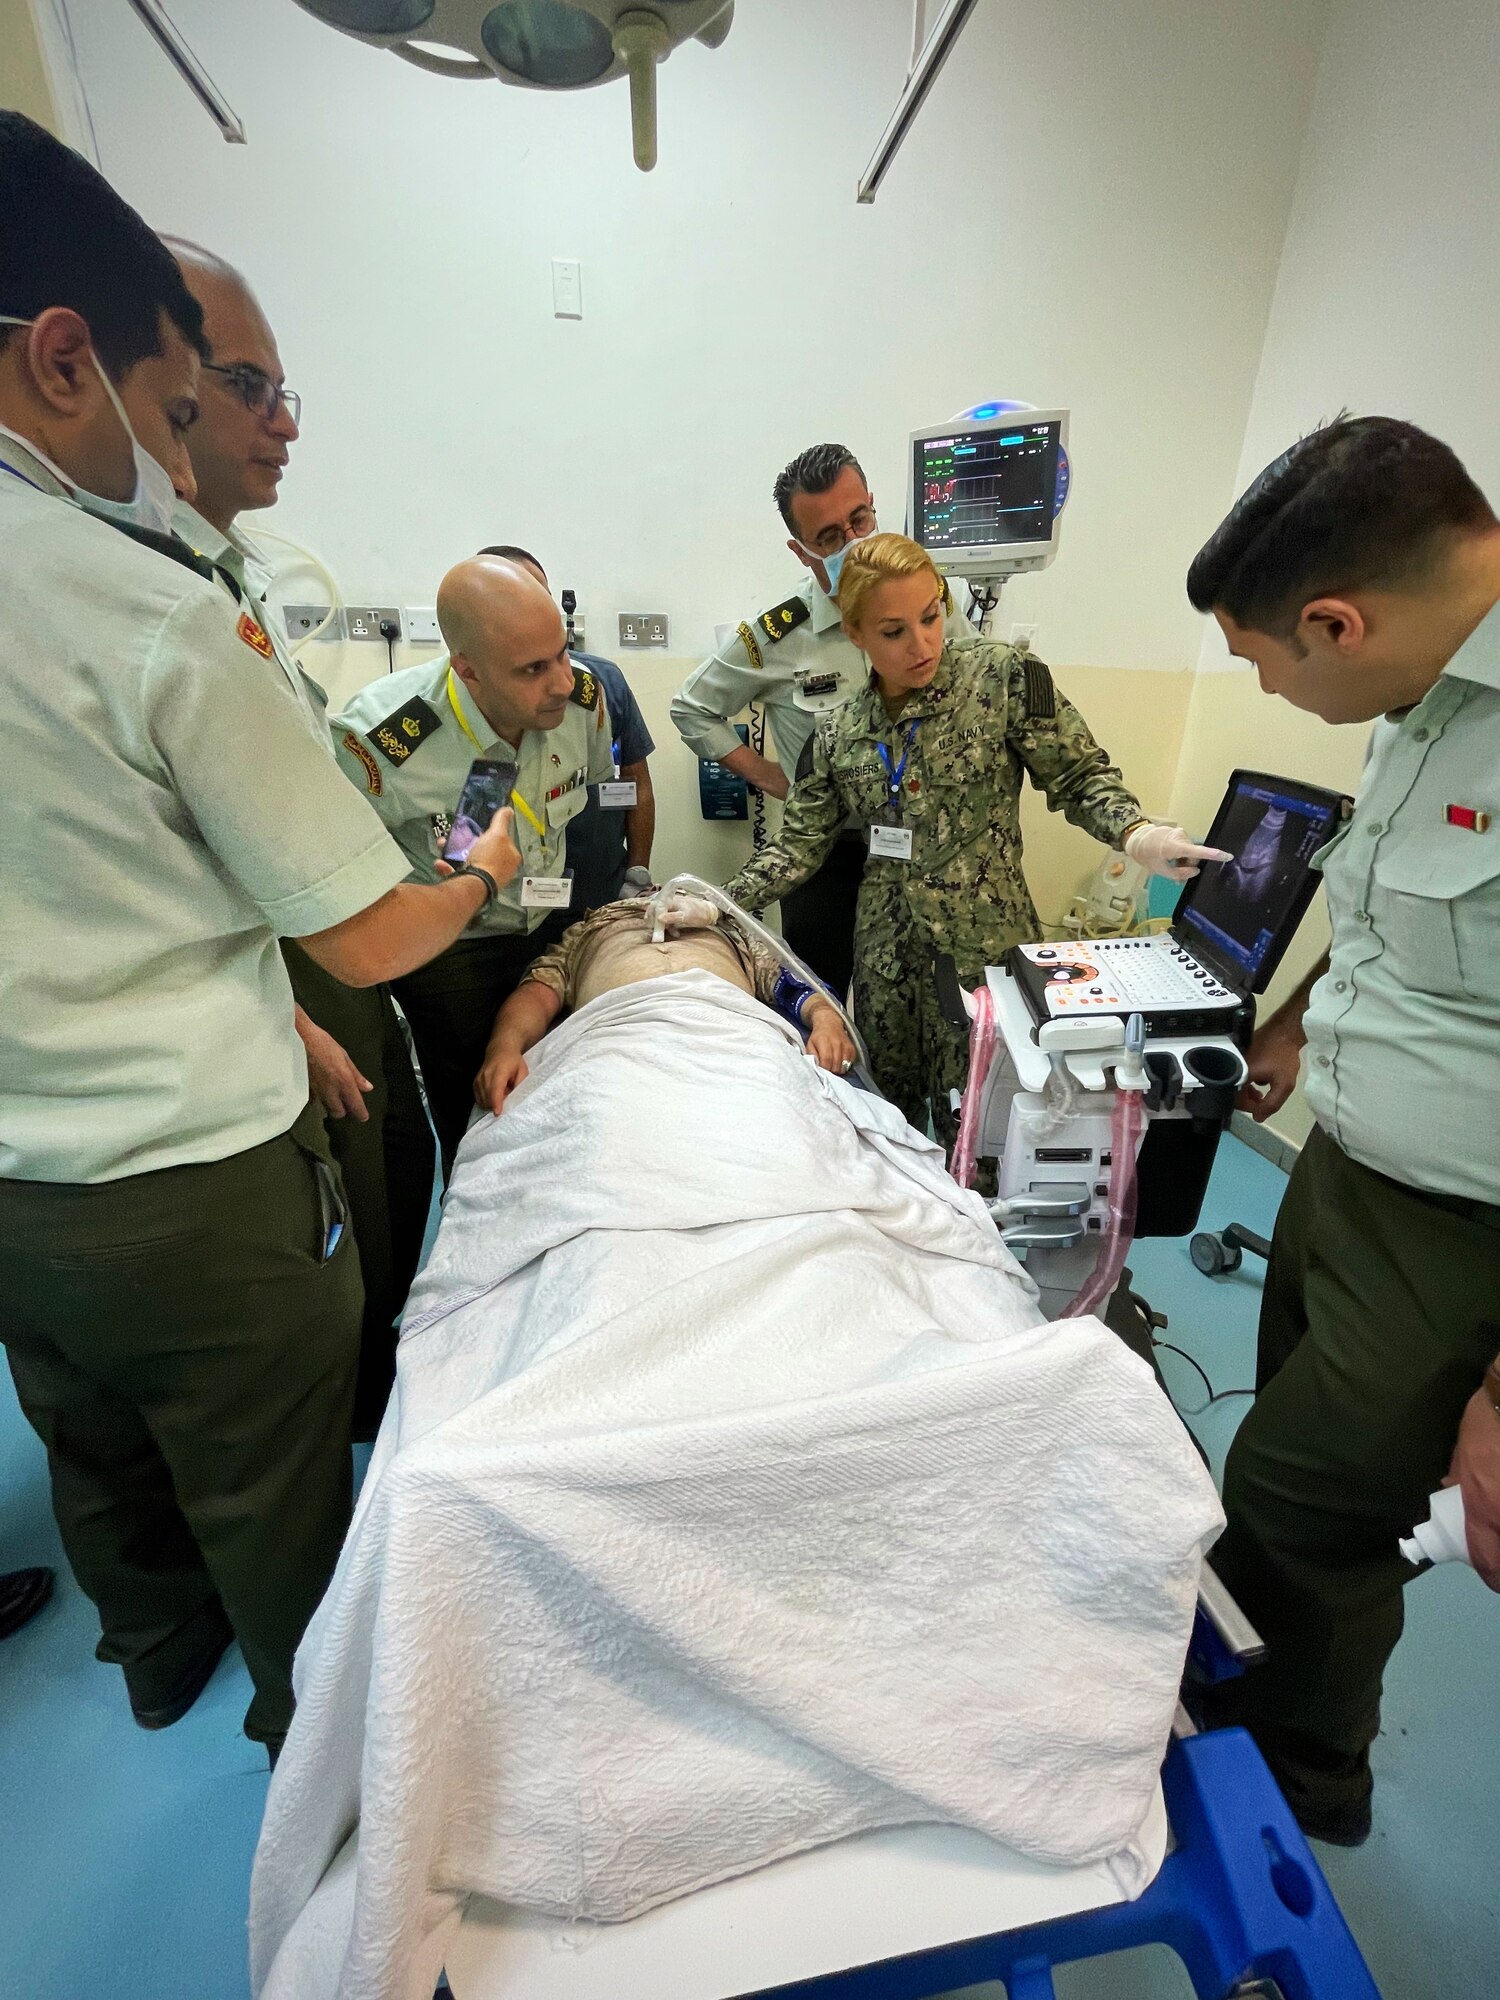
(491, 886)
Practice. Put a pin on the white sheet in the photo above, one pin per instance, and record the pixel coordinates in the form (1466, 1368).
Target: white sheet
(734, 1499)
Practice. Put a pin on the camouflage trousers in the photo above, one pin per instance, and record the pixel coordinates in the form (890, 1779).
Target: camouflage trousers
(916, 1057)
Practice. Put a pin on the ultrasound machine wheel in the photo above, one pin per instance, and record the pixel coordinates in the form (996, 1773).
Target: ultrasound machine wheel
(1213, 1256)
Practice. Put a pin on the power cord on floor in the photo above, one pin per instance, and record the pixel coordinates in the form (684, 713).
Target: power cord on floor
(1214, 1395)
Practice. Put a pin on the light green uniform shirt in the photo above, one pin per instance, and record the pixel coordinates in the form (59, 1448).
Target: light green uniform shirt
(408, 739)
(165, 815)
(1403, 1032)
(253, 571)
(795, 661)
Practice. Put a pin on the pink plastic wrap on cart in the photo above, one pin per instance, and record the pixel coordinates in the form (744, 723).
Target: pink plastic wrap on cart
(981, 1054)
(1124, 1136)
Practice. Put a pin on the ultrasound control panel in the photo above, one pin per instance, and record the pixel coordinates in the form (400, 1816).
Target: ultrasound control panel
(1153, 976)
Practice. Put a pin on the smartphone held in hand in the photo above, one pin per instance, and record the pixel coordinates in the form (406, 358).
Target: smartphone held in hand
(486, 789)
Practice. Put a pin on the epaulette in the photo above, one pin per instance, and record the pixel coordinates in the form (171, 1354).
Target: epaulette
(585, 688)
(404, 729)
(784, 618)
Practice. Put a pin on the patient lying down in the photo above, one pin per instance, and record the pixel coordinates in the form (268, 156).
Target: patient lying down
(615, 947)
(734, 1498)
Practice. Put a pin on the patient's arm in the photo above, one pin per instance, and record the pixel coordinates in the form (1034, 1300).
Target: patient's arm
(828, 1041)
(520, 1024)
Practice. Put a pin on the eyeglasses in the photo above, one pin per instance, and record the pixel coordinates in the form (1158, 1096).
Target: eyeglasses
(833, 538)
(256, 390)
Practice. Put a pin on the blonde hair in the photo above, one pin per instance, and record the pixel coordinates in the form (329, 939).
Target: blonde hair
(876, 560)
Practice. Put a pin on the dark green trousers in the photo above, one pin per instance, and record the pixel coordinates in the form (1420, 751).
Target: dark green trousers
(451, 1005)
(187, 1356)
(388, 1163)
(1381, 1313)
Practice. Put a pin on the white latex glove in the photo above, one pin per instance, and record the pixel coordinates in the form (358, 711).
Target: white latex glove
(1167, 851)
(676, 910)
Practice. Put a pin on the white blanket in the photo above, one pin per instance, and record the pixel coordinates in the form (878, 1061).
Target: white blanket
(734, 1498)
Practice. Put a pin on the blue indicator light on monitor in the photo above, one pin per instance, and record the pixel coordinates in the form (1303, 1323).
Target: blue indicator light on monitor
(987, 410)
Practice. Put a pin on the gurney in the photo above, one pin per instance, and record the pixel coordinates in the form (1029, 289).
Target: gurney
(873, 1545)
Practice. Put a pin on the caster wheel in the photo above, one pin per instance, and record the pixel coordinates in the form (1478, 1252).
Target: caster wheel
(1213, 1256)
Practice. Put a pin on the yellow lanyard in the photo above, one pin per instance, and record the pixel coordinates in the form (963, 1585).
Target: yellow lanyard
(515, 798)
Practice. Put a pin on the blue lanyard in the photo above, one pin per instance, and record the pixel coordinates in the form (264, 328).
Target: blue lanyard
(16, 473)
(896, 772)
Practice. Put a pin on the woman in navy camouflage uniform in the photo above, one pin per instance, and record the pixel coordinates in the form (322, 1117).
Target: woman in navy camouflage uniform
(929, 756)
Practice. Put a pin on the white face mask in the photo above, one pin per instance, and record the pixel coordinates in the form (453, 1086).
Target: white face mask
(155, 498)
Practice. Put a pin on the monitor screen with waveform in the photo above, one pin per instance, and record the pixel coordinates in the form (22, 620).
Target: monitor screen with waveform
(986, 488)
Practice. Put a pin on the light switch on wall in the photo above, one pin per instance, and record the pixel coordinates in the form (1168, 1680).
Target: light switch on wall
(567, 288)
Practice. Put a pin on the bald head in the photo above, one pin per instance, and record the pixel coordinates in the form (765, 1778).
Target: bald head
(507, 642)
(238, 452)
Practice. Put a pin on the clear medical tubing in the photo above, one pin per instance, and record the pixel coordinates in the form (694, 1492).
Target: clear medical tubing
(981, 1055)
(1124, 1137)
(694, 885)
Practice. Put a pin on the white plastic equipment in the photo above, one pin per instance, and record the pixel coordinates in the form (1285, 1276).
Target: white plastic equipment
(1442, 1537)
(1047, 1110)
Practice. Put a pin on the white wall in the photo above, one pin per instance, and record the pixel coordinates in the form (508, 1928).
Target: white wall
(1387, 301)
(1089, 213)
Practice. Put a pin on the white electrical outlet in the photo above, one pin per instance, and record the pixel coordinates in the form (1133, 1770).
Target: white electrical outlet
(567, 288)
(1023, 635)
(422, 626)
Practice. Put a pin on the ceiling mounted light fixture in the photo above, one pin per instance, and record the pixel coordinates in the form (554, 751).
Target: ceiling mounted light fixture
(539, 44)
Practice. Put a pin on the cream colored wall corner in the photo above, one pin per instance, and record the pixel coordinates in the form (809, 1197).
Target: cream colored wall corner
(24, 81)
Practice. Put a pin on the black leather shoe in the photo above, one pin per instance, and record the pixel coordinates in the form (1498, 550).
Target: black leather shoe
(187, 1691)
(1345, 1825)
(23, 1592)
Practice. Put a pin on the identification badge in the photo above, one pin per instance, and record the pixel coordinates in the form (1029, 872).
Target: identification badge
(546, 892)
(890, 843)
(619, 793)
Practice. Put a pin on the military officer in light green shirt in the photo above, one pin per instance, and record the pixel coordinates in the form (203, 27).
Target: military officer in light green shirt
(506, 688)
(358, 1064)
(181, 1300)
(796, 661)
(1361, 576)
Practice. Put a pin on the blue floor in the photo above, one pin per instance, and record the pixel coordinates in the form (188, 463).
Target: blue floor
(124, 1858)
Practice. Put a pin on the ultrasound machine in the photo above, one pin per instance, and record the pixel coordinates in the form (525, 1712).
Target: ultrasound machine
(1061, 1013)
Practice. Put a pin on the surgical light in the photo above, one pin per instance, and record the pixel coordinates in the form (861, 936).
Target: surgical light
(539, 44)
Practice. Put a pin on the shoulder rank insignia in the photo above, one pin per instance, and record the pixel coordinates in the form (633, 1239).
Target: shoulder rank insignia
(784, 618)
(585, 688)
(372, 770)
(255, 636)
(752, 649)
(399, 734)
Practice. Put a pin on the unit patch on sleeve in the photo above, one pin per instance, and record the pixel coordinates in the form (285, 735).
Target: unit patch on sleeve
(784, 618)
(357, 749)
(255, 636)
(1041, 695)
(585, 688)
(752, 649)
(399, 734)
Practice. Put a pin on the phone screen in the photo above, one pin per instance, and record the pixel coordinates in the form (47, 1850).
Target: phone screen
(486, 789)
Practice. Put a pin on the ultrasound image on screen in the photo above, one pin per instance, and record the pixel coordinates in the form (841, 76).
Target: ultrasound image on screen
(1239, 906)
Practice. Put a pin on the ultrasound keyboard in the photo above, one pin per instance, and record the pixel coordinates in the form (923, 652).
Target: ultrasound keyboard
(1153, 976)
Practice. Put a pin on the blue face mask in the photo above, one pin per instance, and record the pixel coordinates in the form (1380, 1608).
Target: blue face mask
(833, 565)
